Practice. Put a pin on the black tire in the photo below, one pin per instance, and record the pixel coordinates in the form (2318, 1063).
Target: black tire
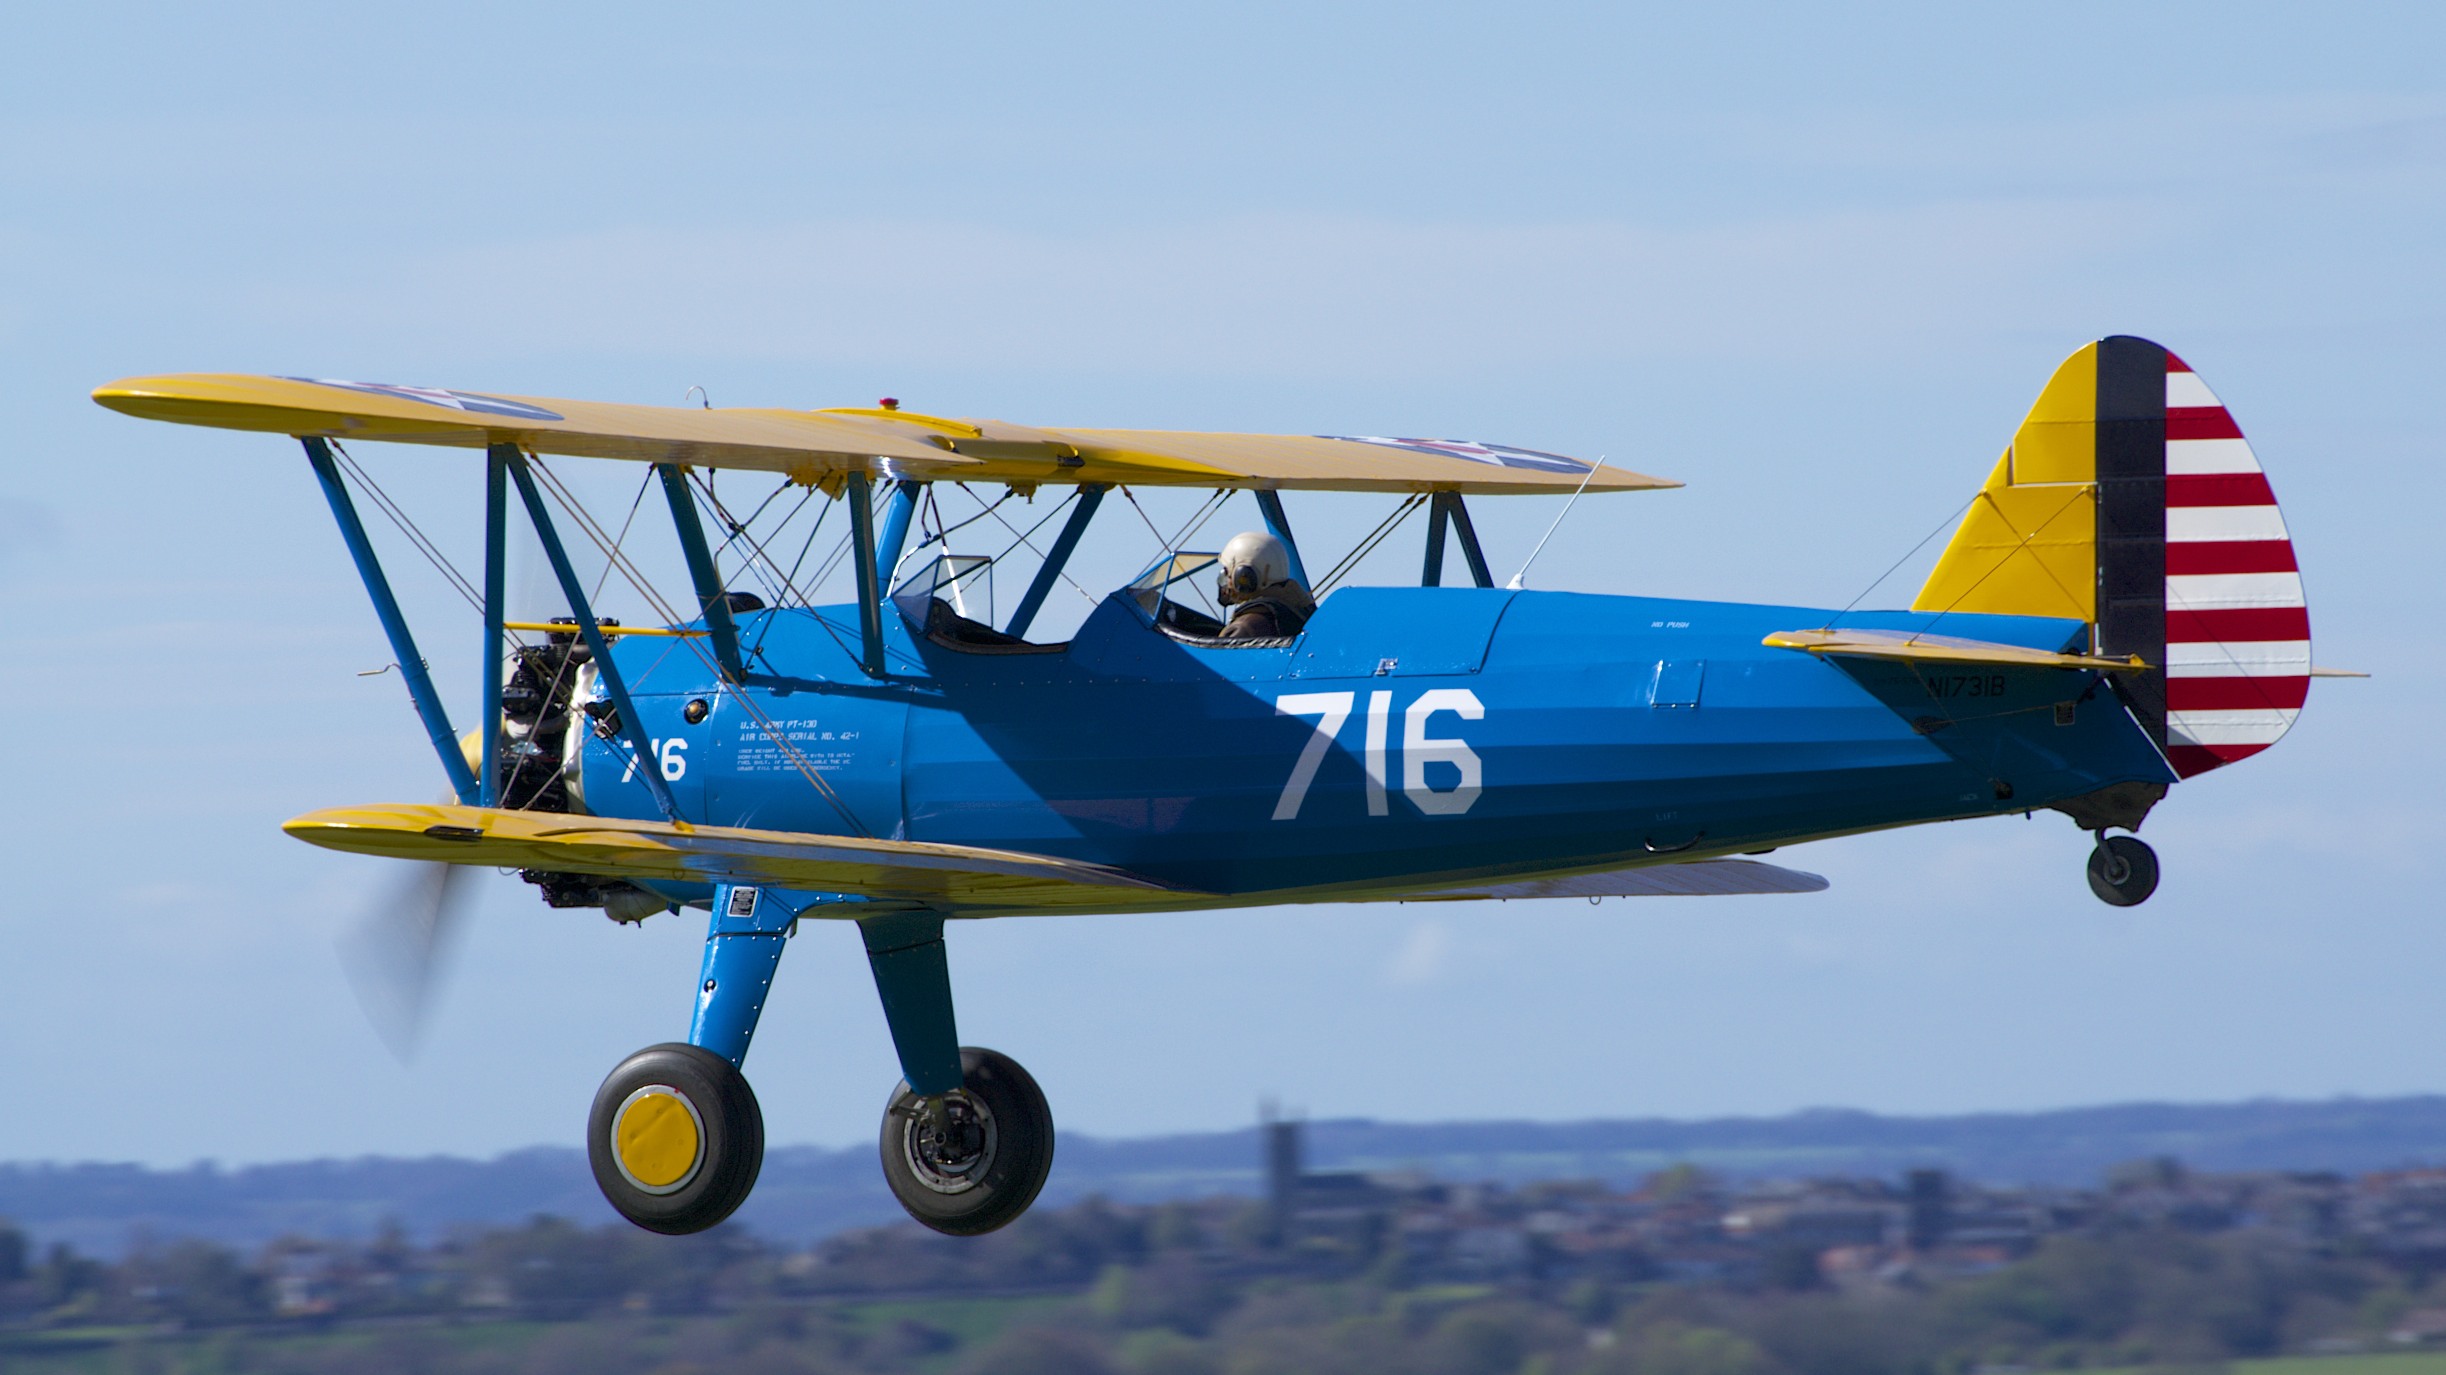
(987, 1179)
(672, 1097)
(2122, 871)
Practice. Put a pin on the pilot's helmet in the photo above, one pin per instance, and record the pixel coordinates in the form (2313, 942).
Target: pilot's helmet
(1250, 563)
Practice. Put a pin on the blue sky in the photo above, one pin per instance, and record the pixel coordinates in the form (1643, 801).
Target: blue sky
(1814, 264)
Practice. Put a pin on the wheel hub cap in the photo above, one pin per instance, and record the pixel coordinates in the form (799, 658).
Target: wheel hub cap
(658, 1140)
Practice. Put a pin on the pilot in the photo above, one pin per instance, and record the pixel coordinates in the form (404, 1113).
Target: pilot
(1256, 581)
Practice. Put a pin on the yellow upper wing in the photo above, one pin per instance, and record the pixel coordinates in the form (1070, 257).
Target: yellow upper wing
(811, 446)
(952, 879)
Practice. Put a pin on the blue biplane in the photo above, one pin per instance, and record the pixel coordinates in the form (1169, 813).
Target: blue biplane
(2118, 609)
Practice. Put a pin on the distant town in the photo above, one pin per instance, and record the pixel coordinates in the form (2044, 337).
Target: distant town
(1686, 1271)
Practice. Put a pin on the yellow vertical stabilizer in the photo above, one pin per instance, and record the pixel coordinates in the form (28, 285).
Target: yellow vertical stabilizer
(2028, 546)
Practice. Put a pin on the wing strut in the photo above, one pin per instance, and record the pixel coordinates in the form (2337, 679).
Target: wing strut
(1091, 495)
(496, 531)
(1279, 526)
(631, 724)
(1447, 506)
(712, 599)
(905, 495)
(394, 625)
(860, 494)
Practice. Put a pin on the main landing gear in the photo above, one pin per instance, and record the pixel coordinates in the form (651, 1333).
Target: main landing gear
(676, 1139)
(972, 1159)
(2122, 870)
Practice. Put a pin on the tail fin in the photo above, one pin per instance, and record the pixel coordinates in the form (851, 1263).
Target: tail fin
(2130, 500)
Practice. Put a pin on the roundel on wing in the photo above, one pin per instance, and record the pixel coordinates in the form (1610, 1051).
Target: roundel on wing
(437, 396)
(1498, 454)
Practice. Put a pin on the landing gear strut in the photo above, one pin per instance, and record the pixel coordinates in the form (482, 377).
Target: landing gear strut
(676, 1138)
(2122, 870)
(967, 1139)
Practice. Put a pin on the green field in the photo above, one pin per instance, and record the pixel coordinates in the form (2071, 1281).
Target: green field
(972, 1322)
(2379, 1363)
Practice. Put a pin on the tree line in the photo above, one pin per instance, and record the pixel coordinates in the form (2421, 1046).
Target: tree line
(1210, 1288)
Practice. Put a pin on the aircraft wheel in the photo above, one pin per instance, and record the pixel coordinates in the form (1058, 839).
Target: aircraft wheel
(675, 1138)
(979, 1163)
(2122, 871)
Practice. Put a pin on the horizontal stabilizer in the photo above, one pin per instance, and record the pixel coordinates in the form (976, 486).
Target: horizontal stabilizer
(1702, 878)
(945, 878)
(1907, 646)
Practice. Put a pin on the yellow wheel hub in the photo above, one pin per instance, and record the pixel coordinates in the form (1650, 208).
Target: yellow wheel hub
(657, 1139)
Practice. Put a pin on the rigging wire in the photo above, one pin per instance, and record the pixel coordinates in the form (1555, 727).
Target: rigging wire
(1023, 539)
(398, 517)
(1367, 546)
(1941, 527)
(624, 529)
(833, 560)
(768, 572)
(1161, 548)
(945, 532)
(1197, 519)
(644, 587)
(791, 578)
(739, 527)
(1063, 505)
(764, 548)
(1998, 566)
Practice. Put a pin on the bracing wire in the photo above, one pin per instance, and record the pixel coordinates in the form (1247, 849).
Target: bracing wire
(624, 528)
(791, 578)
(1941, 527)
(587, 525)
(1367, 546)
(1063, 505)
(760, 562)
(1162, 547)
(945, 532)
(398, 517)
(1023, 539)
(1197, 519)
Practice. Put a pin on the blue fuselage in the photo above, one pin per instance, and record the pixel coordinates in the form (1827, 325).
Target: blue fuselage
(1474, 733)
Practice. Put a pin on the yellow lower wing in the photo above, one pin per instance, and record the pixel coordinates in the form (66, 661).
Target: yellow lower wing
(1940, 649)
(945, 878)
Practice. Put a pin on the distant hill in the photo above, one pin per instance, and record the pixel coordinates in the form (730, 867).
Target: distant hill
(807, 1192)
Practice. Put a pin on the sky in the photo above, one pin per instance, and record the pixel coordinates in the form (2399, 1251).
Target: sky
(1813, 263)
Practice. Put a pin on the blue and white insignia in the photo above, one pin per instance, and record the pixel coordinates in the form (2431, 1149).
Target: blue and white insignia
(437, 396)
(1497, 454)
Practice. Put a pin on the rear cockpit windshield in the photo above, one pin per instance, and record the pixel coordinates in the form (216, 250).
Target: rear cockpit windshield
(1179, 593)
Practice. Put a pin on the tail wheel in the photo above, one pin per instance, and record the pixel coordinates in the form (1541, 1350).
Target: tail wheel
(975, 1159)
(675, 1138)
(2122, 871)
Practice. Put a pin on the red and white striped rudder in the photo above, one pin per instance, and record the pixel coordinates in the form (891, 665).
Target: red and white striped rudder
(2237, 628)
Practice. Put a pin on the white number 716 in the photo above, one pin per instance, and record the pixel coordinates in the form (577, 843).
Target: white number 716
(1333, 709)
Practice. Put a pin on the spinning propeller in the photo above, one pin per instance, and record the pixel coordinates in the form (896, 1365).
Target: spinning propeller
(395, 953)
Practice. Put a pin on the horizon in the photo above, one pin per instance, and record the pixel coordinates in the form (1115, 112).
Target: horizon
(1804, 1114)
